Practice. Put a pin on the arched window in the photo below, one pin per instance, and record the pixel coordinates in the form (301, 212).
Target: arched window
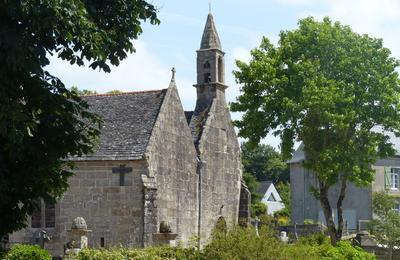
(220, 70)
(206, 65)
(207, 77)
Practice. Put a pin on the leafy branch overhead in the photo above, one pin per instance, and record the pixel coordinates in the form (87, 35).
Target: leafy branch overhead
(330, 88)
(42, 122)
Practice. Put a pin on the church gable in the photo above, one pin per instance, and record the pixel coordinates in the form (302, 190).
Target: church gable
(172, 162)
(128, 121)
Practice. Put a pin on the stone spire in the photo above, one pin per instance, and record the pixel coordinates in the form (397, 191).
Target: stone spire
(210, 39)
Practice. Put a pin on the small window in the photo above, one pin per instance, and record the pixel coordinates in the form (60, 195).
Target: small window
(394, 178)
(220, 70)
(36, 218)
(206, 65)
(271, 197)
(50, 215)
(102, 242)
(207, 77)
(44, 218)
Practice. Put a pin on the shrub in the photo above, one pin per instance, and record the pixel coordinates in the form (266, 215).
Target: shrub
(27, 252)
(258, 209)
(308, 222)
(150, 253)
(238, 243)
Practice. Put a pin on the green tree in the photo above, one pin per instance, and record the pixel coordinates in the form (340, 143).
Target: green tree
(83, 92)
(41, 121)
(328, 87)
(264, 163)
(386, 227)
(115, 91)
(284, 192)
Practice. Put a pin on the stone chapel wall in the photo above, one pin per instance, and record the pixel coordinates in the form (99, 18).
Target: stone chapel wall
(222, 169)
(172, 161)
(112, 212)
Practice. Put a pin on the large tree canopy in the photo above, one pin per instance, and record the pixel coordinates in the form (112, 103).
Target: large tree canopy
(330, 88)
(42, 122)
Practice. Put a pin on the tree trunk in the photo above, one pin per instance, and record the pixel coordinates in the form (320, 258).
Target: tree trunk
(342, 194)
(323, 198)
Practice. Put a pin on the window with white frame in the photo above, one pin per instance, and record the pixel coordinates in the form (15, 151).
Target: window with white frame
(394, 178)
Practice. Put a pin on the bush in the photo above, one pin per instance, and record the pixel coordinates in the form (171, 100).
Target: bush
(27, 252)
(150, 253)
(308, 222)
(258, 209)
(239, 243)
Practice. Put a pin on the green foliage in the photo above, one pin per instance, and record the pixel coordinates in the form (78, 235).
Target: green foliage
(27, 252)
(264, 163)
(283, 189)
(328, 87)
(245, 244)
(238, 243)
(41, 121)
(83, 92)
(258, 209)
(386, 227)
(253, 186)
(150, 253)
(115, 91)
(308, 222)
(343, 250)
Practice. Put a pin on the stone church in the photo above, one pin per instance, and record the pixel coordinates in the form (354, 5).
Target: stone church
(155, 163)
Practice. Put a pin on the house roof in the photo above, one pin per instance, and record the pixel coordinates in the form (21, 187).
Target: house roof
(128, 120)
(263, 187)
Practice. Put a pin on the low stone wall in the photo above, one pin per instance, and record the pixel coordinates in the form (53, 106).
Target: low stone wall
(301, 230)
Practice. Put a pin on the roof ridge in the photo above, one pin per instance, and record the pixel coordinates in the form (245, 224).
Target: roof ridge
(124, 93)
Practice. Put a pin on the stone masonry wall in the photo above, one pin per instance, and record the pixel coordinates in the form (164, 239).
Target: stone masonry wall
(222, 168)
(111, 211)
(172, 161)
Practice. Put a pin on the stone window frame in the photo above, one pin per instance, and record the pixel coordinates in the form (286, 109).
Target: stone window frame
(44, 216)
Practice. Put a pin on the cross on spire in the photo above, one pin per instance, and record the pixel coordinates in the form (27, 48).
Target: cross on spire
(173, 73)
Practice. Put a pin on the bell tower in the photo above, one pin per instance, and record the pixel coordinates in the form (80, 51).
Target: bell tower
(210, 65)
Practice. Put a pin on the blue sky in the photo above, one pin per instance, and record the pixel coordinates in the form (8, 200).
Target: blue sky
(240, 24)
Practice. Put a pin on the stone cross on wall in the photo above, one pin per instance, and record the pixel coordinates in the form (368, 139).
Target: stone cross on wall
(122, 170)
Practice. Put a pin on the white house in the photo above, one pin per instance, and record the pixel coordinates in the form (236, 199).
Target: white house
(270, 197)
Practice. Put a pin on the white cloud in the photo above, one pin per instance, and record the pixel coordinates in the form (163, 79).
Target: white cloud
(376, 18)
(142, 70)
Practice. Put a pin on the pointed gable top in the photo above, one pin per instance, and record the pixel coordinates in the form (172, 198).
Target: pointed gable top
(210, 39)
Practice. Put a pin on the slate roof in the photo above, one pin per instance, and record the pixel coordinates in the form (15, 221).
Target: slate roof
(128, 122)
(263, 187)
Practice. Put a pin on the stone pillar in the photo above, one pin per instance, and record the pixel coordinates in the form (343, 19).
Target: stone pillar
(150, 209)
(77, 236)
